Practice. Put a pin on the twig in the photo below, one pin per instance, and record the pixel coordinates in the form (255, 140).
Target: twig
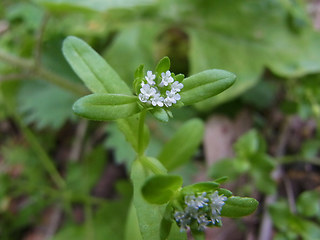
(14, 76)
(4, 26)
(78, 142)
(39, 38)
(43, 73)
(290, 194)
(53, 225)
(265, 232)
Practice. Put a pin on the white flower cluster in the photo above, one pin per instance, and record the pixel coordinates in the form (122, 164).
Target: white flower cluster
(163, 94)
(205, 209)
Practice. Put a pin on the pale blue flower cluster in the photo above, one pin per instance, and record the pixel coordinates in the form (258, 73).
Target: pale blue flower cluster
(205, 209)
(165, 93)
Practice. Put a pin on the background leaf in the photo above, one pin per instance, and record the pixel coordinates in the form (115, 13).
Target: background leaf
(45, 105)
(177, 150)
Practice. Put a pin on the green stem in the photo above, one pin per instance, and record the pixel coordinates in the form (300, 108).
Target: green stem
(89, 222)
(141, 133)
(42, 156)
(43, 73)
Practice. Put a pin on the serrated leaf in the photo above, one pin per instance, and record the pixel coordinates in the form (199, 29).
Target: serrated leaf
(159, 189)
(179, 149)
(239, 207)
(206, 84)
(94, 71)
(104, 106)
(45, 105)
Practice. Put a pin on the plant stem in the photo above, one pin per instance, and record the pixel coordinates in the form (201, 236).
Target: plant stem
(89, 222)
(39, 38)
(43, 157)
(141, 132)
(43, 73)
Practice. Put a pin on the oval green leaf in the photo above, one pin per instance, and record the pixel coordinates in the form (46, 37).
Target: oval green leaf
(200, 187)
(159, 189)
(105, 107)
(163, 66)
(205, 84)
(183, 144)
(239, 206)
(94, 71)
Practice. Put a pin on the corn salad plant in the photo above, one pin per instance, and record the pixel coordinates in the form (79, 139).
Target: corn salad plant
(162, 207)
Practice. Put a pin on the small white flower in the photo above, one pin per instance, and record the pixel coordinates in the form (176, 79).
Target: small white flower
(182, 219)
(197, 202)
(166, 78)
(202, 221)
(151, 92)
(150, 77)
(167, 102)
(157, 100)
(172, 96)
(143, 98)
(176, 86)
(217, 202)
(147, 90)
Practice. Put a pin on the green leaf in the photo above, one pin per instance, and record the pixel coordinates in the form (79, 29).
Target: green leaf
(97, 5)
(179, 77)
(163, 66)
(239, 207)
(130, 129)
(166, 222)
(287, 222)
(117, 142)
(94, 71)
(308, 203)
(81, 178)
(267, 41)
(200, 187)
(159, 189)
(180, 148)
(104, 106)
(160, 114)
(134, 43)
(206, 84)
(224, 192)
(138, 78)
(49, 105)
(249, 144)
(224, 167)
(149, 216)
